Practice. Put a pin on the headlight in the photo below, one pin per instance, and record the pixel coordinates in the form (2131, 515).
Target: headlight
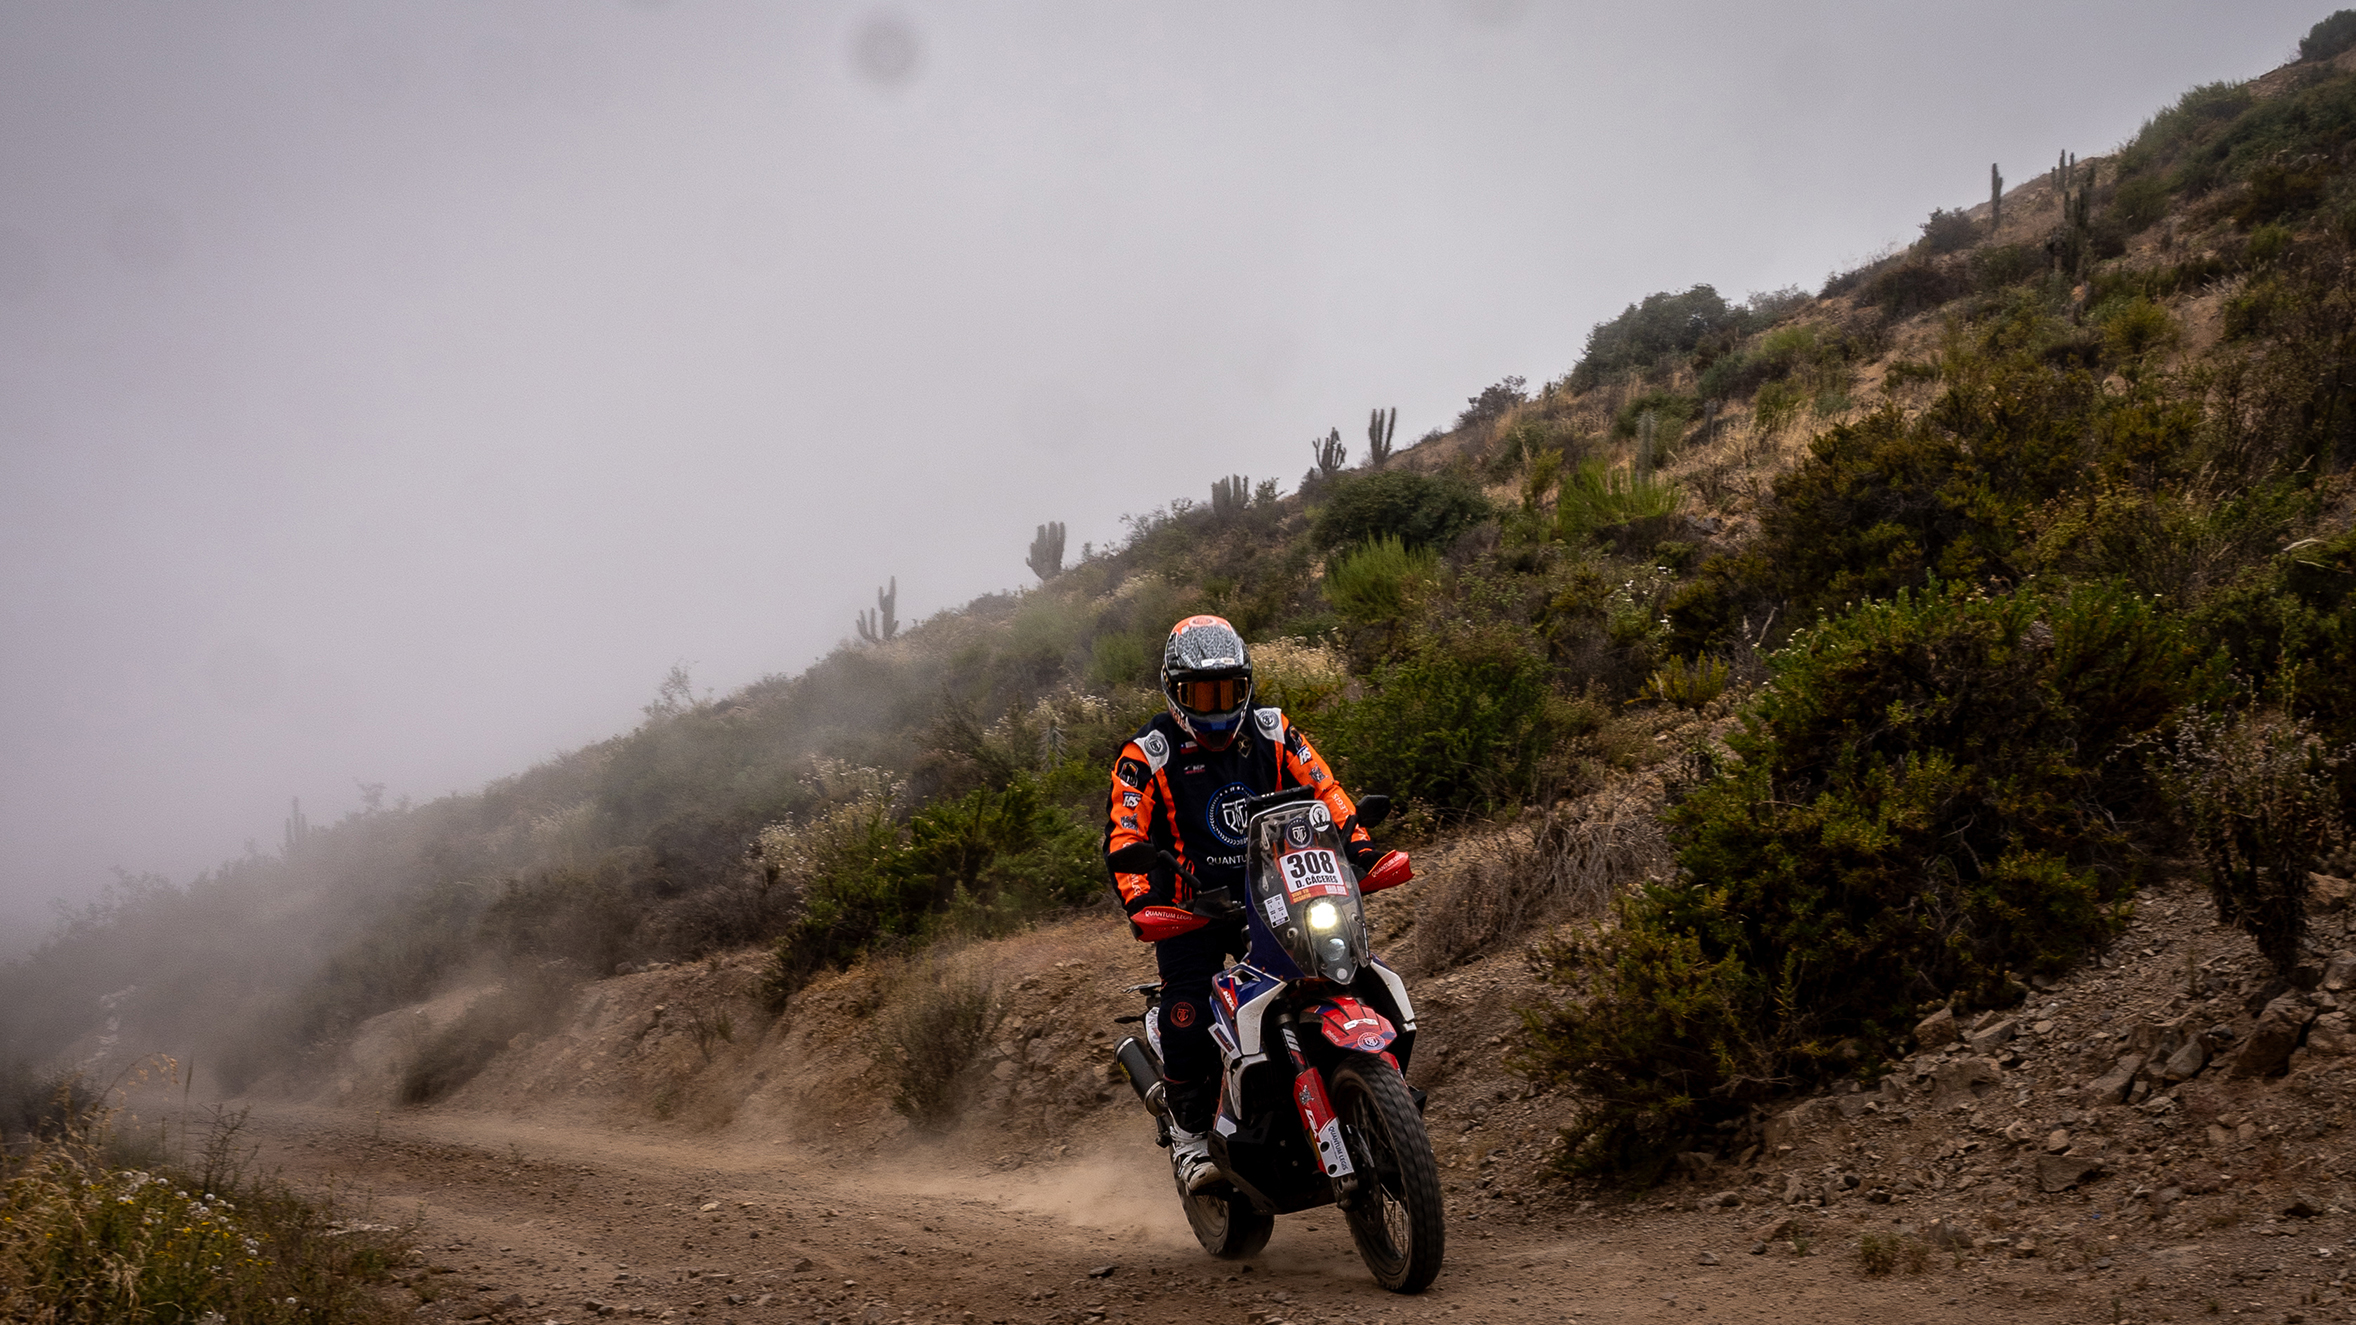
(1324, 916)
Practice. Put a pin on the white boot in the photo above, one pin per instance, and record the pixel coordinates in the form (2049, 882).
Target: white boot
(1190, 1159)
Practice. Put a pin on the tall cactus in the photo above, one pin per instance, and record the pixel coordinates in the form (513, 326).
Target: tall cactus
(1230, 495)
(1331, 455)
(1046, 559)
(878, 623)
(297, 827)
(1380, 426)
(1995, 199)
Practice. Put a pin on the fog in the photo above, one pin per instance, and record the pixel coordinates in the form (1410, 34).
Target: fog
(392, 394)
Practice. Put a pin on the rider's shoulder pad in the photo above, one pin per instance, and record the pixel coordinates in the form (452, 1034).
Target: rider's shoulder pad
(1155, 746)
(1271, 722)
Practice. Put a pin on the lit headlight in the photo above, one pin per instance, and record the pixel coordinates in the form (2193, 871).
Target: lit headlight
(1324, 916)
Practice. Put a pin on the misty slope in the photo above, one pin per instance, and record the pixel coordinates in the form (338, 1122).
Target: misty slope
(2118, 416)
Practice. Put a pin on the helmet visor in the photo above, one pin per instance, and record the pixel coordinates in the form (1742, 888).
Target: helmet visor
(1213, 697)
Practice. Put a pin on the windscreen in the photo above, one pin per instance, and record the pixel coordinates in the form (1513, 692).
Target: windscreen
(1305, 892)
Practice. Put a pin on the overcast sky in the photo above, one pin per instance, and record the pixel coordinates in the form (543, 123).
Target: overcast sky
(394, 392)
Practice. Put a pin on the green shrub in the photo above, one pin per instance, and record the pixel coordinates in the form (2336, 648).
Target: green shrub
(2329, 37)
(1465, 722)
(1644, 333)
(1669, 410)
(2255, 796)
(1946, 232)
(1927, 807)
(2137, 329)
(1376, 581)
(1904, 289)
(1495, 402)
(87, 1235)
(2140, 202)
(1998, 266)
(1420, 510)
(1596, 499)
(1691, 683)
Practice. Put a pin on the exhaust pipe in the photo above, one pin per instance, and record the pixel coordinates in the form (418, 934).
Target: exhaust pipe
(1145, 1075)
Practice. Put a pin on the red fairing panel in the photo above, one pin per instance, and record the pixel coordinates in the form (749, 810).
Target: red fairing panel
(1350, 1024)
(1389, 872)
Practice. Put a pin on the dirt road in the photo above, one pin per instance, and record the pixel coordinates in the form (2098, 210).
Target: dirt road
(525, 1222)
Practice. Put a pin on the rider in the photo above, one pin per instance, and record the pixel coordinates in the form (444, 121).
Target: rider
(1180, 785)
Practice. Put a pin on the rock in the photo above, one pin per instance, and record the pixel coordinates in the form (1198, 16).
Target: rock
(2057, 1141)
(1964, 1079)
(1786, 1128)
(1994, 1036)
(2339, 974)
(1103, 1272)
(1728, 1198)
(2059, 1173)
(2332, 1036)
(2328, 892)
(1758, 1249)
(512, 1302)
(2112, 1086)
(1706, 1258)
(1786, 1226)
(1937, 1029)
(1947, 1234)
(803, 1266)
(1794, 1188)
(2186, 1063)
(2267, 1050)
(2302, 1206)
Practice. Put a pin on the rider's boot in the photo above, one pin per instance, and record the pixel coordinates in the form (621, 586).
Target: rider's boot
(1190, 1160)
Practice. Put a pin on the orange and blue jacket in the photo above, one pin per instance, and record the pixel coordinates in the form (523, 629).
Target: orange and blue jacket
(1169, 791)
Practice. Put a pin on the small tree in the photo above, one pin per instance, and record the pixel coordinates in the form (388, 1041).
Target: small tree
(1496, 399)
(878, 623)
(1046, 559)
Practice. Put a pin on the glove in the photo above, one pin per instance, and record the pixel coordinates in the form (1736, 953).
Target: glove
(1362, 855)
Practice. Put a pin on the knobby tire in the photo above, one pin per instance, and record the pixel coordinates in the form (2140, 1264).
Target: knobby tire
(1399, 1222)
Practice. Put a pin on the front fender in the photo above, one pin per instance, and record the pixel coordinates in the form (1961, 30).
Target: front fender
(1350, 1025)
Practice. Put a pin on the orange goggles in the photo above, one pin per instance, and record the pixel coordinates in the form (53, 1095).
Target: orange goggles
(1219, 696)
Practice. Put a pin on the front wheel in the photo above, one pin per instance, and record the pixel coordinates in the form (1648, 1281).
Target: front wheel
(1397, 1220)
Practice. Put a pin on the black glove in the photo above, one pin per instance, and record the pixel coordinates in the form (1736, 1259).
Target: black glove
(1362, 855)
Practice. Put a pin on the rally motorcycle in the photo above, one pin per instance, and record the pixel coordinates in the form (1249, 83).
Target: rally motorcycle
(1314, 1032)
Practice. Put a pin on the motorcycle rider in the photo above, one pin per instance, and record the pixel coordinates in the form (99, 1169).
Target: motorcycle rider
(1180, 785)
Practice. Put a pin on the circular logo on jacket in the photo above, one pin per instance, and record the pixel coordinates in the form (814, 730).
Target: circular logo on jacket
(1225, 816)
(1182, 1014)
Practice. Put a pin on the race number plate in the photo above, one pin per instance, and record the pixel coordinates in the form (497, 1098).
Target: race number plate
(1314, 872)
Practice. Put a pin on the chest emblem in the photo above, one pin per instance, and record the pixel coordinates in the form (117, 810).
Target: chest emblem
(1224, 814)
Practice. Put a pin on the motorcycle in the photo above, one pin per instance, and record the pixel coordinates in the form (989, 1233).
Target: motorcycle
(1314, 1035)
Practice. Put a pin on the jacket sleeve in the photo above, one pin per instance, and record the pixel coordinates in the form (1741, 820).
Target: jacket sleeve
(1304, 767)
(1129, 807)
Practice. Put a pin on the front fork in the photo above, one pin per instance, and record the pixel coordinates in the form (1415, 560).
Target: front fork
(1319, 1119)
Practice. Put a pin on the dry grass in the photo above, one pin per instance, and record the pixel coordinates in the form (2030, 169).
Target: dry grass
(930, 1034)
(1565, 862)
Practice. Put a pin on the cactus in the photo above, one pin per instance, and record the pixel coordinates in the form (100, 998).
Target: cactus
(1995, 199)
(1230, 495)
(1331, 455)
(297, 827)
(1380, 426)
(878, 623)
(1046, 559)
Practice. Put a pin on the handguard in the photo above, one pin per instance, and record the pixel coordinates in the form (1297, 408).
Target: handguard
(1389, 872)
(1155, 923)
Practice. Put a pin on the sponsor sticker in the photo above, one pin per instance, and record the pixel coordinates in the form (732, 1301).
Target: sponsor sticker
(1312, 873)
(1273, 906)
(1320, 818)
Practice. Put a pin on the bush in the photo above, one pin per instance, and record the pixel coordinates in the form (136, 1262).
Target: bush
(1466, 722)
(929, 1041)
(86, 1236)
(1644, 333)
(2000, 265)
(1374, 582)
(1420, 510)
(2255, 796)
(1904, 289)
(1946, 232)
(1569, 862)
(1690, 684)
(1596, 500)
(2329, 37)
(1927, 808)
(529, 1003)
(1495, 402)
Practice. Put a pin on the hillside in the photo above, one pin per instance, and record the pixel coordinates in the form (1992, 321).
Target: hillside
(1792, 681)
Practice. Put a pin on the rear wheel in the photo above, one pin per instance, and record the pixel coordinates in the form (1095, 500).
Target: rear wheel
(1226, 1222)
(1397, 1221)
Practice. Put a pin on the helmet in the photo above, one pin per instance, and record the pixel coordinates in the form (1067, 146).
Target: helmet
(1207, 677)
